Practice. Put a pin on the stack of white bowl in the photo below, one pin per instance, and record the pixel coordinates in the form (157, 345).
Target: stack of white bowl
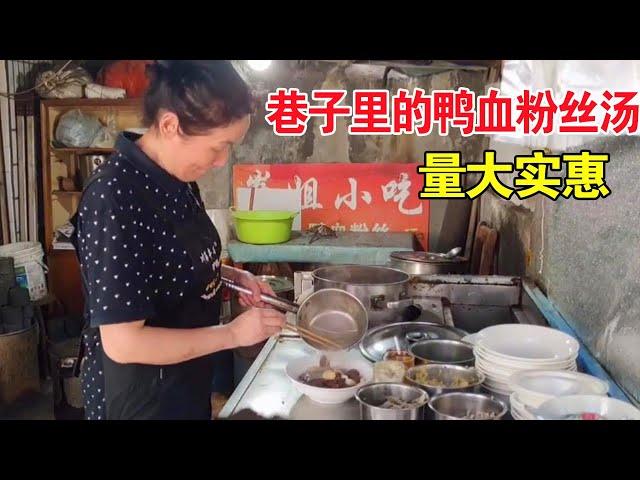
(531, 388)
(503, 350)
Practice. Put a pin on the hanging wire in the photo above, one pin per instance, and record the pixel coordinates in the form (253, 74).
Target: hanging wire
(55, 76)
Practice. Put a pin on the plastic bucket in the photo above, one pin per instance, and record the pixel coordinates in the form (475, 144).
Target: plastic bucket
(263, 227)
(29, 266)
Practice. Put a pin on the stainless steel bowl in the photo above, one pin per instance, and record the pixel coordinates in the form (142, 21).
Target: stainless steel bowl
(373, 395)
(459, 405)
(446, 374)
(441, 351)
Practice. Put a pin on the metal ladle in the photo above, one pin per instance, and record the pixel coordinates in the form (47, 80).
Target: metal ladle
(327, 318)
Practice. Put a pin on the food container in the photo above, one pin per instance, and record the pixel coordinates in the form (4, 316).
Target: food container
(343, 361)
(389, 371)
(263, 227)
(407, 359)
(454, 378)
(462, 405)
(440, 351)
(372, 396)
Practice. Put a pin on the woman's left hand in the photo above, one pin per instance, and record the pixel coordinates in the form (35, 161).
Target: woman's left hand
(257, 287)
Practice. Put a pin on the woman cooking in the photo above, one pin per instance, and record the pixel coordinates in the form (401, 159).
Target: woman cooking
(150, 256)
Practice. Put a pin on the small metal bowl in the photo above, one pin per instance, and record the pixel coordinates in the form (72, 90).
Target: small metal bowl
(447, 374)
(458, 405)
(373, 395)
(440, 351)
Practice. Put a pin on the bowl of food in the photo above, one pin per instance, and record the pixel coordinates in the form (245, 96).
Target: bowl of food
(449, 352)
(437, 379)
(389, 371)
(391, 401)
(330, 380)
(467, 406)
(402, 356)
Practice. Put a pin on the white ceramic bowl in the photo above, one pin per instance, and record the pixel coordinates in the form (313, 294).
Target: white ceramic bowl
(534, 387)
(508, 362)
(346, 361)
(519, 408)
(505, 372)
(530, 343)
(610, 408)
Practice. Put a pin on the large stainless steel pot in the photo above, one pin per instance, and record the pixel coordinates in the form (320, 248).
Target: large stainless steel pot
(443, 352)
(374, 286)
(426, 263)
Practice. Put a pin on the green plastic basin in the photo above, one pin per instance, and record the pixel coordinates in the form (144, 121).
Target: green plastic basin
(263, 227)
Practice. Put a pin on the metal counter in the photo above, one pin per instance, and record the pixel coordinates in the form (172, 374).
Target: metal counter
(477, 302)
(267, 390)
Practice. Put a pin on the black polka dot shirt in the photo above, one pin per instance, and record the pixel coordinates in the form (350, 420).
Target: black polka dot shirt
(133, 264)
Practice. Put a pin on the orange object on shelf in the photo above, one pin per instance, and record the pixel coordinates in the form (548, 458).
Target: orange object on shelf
(128, 74)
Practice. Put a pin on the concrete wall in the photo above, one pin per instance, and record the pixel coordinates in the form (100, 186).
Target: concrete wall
(262, 146)
(583, 254)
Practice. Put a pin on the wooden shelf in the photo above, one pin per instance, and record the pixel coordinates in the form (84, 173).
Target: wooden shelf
(61, 252)
(80, 151)
(65, 192)
(59, 160)
(92, 102)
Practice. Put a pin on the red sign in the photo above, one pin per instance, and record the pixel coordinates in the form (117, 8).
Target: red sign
(348, 197)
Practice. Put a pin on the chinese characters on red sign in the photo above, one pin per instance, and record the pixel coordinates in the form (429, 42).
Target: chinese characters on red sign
(377, 112)
(348, 197)
(585, 179)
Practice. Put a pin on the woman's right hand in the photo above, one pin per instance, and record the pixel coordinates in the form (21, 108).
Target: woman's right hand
(256, 325)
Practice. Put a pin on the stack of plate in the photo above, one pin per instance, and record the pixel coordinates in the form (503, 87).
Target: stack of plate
(531, 388)
(503, 350)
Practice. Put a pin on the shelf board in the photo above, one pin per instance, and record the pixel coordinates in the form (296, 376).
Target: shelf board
(65, 192)
(53, 251)
(81, 151)
(93, 102)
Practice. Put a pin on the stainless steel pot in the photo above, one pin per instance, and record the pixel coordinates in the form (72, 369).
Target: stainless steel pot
(460, 405)
(375, 394)
(426, 263)
(441, 351)
(332, 314)
(374, 286)
(446, 374)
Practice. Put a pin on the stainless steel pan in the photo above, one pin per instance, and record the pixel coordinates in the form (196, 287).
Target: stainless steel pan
(331, 313)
